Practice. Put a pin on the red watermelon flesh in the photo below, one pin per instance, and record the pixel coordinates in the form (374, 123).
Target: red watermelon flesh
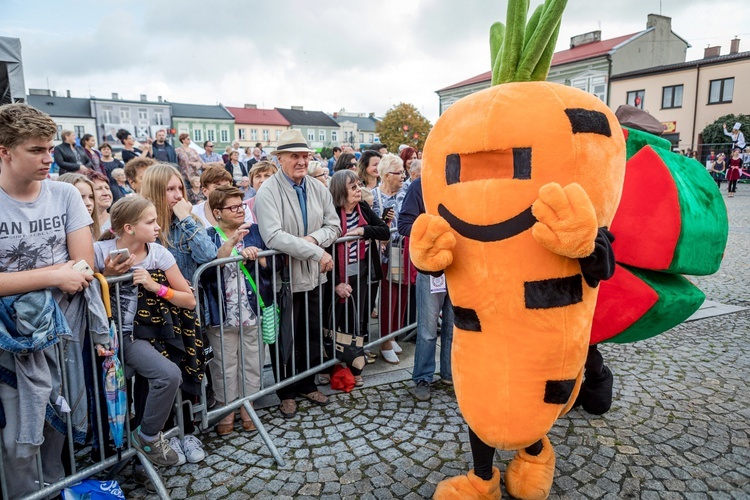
(623, 300)
(647, 222)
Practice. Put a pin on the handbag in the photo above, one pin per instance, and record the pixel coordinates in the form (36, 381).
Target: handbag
(346, 343)
(269, 316)
(396, 271)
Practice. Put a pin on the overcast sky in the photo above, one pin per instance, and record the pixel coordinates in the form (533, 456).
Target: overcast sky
(364, 56)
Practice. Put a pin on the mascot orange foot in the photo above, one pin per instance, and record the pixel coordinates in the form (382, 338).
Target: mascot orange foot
(531, 471)
(470, 487)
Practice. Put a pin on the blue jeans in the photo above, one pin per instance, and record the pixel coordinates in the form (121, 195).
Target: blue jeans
(429, 306)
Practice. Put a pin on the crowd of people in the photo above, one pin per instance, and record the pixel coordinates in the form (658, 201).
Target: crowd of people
(160, 213)
(736, 166)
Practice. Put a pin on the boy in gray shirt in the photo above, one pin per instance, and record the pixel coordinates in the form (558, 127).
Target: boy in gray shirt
(43, 232)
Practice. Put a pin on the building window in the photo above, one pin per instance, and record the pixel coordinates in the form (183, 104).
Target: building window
(596, 85)
(158, 118)
(223, 135)
(671, 97)
(80, 130)
(636, 98)
(322, 135)
(266, 135)
(107, 114)
(278, 134)
(372, 139)
(197, 134)
(310, 135)
(125, 115)
(721, 91)
(361, 137)
(58, 134)
(241, 133)
(210, 135)
(334, 136)
(254, 134)
(143, 114)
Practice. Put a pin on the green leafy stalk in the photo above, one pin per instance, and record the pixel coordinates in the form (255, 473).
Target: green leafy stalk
(542, 67)
(522, 52)
(532, 24)
(497, 34)
(513, 43)
(540, 38)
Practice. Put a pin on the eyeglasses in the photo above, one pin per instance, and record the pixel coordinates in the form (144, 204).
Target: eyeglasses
(354, 164)
(235, 208)
(400, 174)
(324, 174)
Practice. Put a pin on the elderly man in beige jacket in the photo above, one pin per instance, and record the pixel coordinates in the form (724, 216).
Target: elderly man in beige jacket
(296, 216)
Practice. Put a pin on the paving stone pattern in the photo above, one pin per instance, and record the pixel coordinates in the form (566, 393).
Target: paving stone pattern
(679, 426)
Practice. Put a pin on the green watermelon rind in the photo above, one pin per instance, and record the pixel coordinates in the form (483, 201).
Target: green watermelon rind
(705, 226)
(637, 140)
(678, 300)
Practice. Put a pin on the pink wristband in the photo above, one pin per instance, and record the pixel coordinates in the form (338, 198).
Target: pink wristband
(162, 291)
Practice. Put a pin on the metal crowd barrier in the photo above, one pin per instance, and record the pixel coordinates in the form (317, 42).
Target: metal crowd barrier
(82, 462)
(400, 302)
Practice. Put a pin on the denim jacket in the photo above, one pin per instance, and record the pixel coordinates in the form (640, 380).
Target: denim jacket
(30, 322)
(190, 245)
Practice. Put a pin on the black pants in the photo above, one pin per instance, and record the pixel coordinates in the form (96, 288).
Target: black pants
(306, 317)
(732, 188)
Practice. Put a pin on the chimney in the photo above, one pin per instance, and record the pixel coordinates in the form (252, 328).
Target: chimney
(297, 108)
(709, 52)
(67, 92)
(54, 93)
(159, 99)
(371, 115)
(144, 98)
(590, 37)
(115, 96)
(734, 47)
(251, 106)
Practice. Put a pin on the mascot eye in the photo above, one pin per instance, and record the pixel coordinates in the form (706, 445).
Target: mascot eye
(503, 164)
(586, 121)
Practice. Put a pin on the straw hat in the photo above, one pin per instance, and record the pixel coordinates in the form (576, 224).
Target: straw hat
(291, 141)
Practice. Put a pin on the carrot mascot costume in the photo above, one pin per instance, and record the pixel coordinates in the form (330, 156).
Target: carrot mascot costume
(521, 182)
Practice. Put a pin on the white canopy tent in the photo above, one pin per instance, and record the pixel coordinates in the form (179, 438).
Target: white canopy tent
(12, 86)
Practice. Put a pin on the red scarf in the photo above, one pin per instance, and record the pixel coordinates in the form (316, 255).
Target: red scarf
(342, 252)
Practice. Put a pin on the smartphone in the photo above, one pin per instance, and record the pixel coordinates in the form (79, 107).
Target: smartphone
(83, 267)
(388, 214)
(123, 253)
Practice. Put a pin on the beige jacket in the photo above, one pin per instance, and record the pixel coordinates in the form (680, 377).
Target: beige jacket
(281, 227)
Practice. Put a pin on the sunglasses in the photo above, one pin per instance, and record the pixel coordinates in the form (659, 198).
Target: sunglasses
(235, 208)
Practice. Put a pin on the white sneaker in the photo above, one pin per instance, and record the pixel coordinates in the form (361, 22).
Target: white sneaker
(193, 449)
(396, 348)
(175, 444)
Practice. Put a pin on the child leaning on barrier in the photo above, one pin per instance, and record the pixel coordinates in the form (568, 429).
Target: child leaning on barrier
(239, 349)
(134, 228)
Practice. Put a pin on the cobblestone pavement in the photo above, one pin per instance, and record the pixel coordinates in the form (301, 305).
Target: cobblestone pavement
(679, 426)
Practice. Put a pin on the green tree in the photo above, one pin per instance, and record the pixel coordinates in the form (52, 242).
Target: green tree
(714, 133)
(403, 124)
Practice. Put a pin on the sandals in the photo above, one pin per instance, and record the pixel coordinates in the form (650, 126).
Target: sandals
(288, 408)
(324, 378)
(358, 382)
(225, 427)
(389, 356)
(316, 397)
(370, 357)
(396, 348)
